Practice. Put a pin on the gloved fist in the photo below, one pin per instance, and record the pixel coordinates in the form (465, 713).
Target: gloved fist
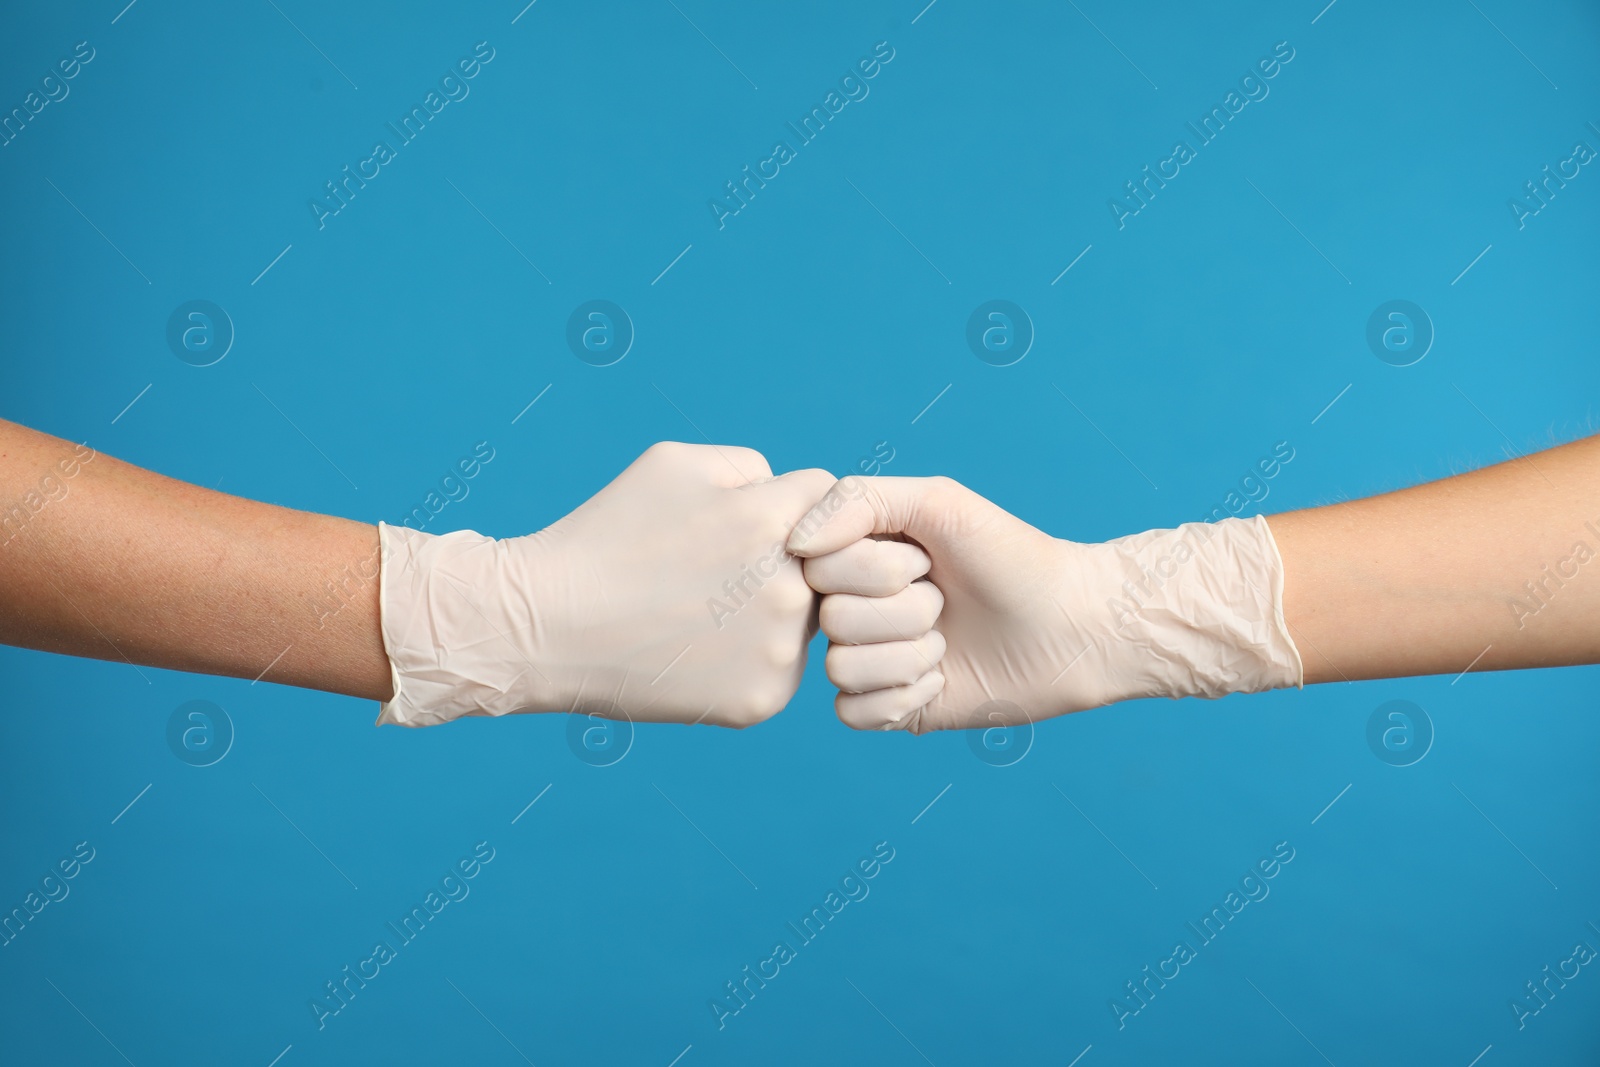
(1013, 625)
(667, 597)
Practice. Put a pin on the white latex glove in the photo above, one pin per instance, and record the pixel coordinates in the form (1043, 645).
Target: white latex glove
(667, 597)
(1013, 625)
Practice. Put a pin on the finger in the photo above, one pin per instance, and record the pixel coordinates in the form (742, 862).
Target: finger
(868, 567)
(790, 495)
(866, 620)
(863, 668)
(856, 507)
(888, 709)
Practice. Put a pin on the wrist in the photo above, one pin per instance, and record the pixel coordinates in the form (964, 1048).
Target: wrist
(459, 628)
(1201, 605)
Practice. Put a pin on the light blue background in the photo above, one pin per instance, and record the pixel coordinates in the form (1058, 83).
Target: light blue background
(1195, 338)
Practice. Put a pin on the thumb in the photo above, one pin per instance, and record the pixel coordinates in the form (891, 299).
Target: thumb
(856, 507)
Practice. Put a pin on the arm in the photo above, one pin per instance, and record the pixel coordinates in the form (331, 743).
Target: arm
(1425, 580)
(1482, 571)
(666, 597)
(100, 558)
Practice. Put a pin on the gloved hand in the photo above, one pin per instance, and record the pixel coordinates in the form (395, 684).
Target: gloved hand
(667, 597)
(1013, 625)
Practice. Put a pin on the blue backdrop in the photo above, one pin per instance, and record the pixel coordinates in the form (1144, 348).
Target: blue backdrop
(372, 315)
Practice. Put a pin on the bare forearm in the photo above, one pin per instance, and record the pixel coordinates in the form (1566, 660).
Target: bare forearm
(115, 562)
(1433, 578)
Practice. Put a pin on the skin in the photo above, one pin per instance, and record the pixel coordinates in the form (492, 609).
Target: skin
(130, 565)
(1421, 581)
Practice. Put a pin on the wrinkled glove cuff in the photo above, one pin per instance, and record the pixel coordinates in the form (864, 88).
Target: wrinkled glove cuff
(453, 639)
(1204, 602)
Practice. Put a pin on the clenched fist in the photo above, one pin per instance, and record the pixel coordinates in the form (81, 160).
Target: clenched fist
(1012, 625)
(667, 597)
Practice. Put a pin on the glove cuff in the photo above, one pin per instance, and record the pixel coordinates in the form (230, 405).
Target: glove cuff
(456, 644)
(1204, 604)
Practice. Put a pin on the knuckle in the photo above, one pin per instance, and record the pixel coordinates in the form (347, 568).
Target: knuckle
(742, 717)
(663, 450)
(756, 706)
(790, 596)
(769, 700)
(751, 459)
(784, 653)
